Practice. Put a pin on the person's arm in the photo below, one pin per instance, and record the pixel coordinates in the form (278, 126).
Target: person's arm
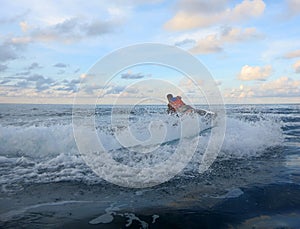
(171, 109)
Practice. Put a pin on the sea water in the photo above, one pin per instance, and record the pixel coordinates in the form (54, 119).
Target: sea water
(45, 182)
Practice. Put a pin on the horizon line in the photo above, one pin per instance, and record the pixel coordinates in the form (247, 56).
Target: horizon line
(150, 104)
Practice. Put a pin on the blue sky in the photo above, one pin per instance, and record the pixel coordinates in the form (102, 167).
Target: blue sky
(250, 47)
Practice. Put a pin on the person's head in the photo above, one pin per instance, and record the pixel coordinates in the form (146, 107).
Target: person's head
(169, 96)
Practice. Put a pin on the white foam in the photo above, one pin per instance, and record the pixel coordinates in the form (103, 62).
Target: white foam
(7, 216)
(232, 193)
(132, 217)
(105, 218)
(112, 211)
(247, 139)
(36, 142)
(154, 218)
(49, 154)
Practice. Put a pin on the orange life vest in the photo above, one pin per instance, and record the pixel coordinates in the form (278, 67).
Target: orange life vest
(176, 103)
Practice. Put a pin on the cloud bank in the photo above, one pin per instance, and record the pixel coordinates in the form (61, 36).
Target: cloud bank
(69, 30)
(214, 43)
(194, 14)
(282, 87)
(292, 54)
(296, 66)
(255, 73)
(130, 75)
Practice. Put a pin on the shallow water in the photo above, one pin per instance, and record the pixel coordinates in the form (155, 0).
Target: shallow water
(255, 181)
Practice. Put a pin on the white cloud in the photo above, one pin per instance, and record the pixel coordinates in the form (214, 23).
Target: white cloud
(131, 75)
(292, 54)
(33, 66)
(255, 72)
(296, 66)
(40, 14)
(60, 65)
(184, 42)
(3, 67)
(209, 44)
(135, 2)
(67, 31)
(83, 76)
(189, 18)
(12, 19)
(24, 26)
(65, 22)
(39, 84)
(276, 48)
(203, 6)
(187, 85)
(21, 40)
(214, 43)
(293, 7)
(230, 34)
(9, 50)
(282, 87)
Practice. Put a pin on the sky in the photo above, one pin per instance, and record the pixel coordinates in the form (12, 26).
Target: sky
(250, 47)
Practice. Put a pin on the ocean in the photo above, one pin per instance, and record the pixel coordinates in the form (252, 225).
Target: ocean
(254, 182)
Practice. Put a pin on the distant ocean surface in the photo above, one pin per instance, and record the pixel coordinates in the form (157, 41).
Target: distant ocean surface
(45, 183)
